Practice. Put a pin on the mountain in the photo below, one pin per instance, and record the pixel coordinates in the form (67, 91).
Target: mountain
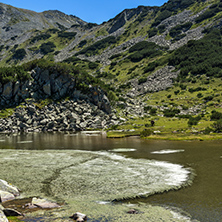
(150, 60)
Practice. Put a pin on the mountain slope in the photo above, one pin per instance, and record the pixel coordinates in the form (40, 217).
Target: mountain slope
(145, 56)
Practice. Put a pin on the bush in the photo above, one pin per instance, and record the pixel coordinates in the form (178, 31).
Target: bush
(47, 47)
(217, 126)
(93, 65)
(142, 80)
(153, 111)
(146, 133)
(171, 112)
(40, 37)
(193, 120)
(67, 35)
(216, 115)
(19, 54)
(152, 32)
(101, 44)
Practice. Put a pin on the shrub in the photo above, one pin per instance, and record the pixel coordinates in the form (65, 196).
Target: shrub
(19, 54)
(171, 112)
(40, 37)
(67, 35)
(146, 133)
(193, 120)
(153, 111)
(152, 32)
(217, 126)
(93, 65)
(47, 47)
(101, 44)
(216, 115)
(142, 80)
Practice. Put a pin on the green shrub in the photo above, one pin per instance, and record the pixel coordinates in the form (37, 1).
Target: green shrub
(93, 65)
(216, 115)
(101, 44)
(152, 32)
(142, 80)
(146, 133)
(40, 37)
(153, 111)
(217, 126)
(47, 47)
(67, 35)
(19, 54)
(193, 120)
(171, 112)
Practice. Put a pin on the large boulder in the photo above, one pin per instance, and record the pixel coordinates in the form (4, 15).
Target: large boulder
(4, 186)
(3, 218)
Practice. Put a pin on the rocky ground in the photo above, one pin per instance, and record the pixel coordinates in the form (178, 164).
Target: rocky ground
(70, 115)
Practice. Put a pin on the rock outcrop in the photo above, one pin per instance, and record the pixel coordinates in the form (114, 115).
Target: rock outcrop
(43, 85)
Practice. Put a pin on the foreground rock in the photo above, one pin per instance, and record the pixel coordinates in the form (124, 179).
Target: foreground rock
(79, 217)
(43, 203)
(6, 187)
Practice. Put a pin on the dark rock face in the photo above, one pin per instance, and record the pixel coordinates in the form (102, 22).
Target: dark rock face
(43, 85)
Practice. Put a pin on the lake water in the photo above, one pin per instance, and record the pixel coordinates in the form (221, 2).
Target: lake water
(201, 201)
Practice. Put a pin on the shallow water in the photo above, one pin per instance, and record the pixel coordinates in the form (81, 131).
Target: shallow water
(202, 200)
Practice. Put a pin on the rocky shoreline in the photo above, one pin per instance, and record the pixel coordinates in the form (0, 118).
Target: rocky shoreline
(71, 115)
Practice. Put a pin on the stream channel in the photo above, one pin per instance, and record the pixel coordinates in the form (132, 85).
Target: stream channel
(87, 172)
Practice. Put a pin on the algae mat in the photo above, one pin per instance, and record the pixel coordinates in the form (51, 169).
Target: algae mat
(89, 181)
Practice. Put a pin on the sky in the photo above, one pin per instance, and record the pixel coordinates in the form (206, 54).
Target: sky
(95, 11)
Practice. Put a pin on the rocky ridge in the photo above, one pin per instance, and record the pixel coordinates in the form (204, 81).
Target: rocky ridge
(79, 112)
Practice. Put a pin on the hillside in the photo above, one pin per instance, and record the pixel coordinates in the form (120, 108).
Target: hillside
(153, 63)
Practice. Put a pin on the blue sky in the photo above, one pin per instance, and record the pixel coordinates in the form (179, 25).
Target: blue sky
(96, 11)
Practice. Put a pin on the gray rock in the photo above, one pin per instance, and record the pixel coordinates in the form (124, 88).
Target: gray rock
(7, 91)
(43, 203)
(11, 212)
(5, 196)
(47, 88)
(3, 218)
(4, 186)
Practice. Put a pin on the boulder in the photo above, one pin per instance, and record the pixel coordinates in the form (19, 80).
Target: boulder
(5, 196)
(79, 217)
(11, 213)
(4, 186)
(43, 203)
(3, 218)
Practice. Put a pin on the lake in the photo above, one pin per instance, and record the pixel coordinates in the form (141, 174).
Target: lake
(202, 200)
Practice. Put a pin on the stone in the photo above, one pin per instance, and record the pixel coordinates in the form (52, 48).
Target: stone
(7, 91)
(43, 203)
(5, 196)
(47, 88)
(16, 88)
(79, 217)
(12, 213)
(3, 218)
(4, 186)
